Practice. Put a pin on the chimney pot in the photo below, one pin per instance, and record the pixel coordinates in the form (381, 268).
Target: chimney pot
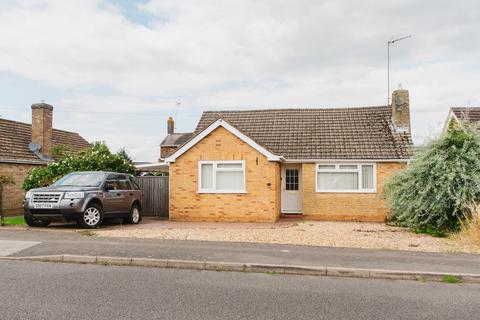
(170, 126)
(42, 114)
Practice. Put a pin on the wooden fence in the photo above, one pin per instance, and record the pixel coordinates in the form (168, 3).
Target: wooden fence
(155, 195)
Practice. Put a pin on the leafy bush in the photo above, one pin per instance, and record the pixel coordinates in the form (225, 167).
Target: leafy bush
(96, 158)
(441, 185)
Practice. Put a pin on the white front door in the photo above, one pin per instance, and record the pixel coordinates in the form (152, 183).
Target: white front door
(291, 188)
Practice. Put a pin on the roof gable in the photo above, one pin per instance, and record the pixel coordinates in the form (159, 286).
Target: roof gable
(459, 114)
(221, 123)
(471, 114)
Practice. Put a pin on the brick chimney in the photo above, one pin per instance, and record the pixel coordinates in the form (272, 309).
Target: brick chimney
(401, 109)
(170, 126)
(42, 114)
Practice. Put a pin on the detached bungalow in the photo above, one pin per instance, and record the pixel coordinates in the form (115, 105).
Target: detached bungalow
(256, 165)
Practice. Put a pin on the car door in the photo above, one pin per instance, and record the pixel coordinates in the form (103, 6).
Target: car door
(112, 200)
(127, 194)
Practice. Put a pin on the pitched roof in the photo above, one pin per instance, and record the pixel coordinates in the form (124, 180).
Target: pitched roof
(336, 133)
(15, 137)
(176, 139)
(471, 114)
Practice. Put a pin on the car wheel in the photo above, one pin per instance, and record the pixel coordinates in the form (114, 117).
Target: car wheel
(135, 215)
(92, 217)
(31, 221)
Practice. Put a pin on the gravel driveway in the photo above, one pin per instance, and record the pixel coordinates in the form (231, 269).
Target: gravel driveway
(313, 233)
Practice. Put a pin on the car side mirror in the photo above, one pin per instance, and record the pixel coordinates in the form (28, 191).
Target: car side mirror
(109, 186)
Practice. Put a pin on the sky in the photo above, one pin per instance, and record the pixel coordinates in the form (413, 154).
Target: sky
(114, 70)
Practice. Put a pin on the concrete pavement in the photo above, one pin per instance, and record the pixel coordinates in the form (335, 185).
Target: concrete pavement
(71, 291)
(8, 247)
(60, 242)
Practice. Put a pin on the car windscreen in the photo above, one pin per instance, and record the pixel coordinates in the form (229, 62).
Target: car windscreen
(80, 179)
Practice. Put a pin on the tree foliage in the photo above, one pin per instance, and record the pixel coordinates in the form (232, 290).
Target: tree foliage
(96, 158)
(441, 185)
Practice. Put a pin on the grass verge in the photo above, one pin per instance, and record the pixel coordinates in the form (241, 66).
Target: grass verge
(470, 231)
(13, 221)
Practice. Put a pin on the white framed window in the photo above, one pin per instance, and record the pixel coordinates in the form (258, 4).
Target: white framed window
(221, 176)
(345, 177)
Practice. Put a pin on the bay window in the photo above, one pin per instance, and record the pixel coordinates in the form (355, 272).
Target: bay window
(221, 176)
(347, 177)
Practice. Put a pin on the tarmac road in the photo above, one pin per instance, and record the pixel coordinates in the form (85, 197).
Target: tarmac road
(36, 290)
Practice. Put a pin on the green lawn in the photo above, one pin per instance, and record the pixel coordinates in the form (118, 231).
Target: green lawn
(11, 221)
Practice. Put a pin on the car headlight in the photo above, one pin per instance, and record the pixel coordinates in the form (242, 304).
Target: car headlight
(28, 195)
(74, 195)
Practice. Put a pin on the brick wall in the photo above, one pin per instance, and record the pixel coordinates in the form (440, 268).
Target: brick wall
(345, 206)
(261, 203)
(13, 194)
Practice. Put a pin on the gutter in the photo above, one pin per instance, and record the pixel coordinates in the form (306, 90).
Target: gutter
(343, 160)
(22, 161)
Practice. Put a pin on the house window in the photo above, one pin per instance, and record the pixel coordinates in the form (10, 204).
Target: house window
(221, 177)
(291, 179)
(345, 177)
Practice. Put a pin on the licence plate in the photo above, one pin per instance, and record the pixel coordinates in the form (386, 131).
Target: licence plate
(43, 205)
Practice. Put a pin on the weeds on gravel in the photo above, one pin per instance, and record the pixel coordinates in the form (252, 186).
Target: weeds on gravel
(470, 230)
(87, 233)
(450, 279)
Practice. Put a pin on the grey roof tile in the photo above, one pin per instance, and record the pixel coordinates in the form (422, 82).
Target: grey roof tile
(15, 137)
(337, 133)
(471, 114)
(176, 139)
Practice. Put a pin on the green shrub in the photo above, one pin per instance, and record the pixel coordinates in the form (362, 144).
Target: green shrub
(96, 158)
(440, 186)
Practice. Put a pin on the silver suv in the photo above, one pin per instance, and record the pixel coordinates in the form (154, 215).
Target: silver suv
(85, 197)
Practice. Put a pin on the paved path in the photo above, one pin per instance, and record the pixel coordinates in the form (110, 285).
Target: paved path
(8, 247)
(33, 290)
(61, 242)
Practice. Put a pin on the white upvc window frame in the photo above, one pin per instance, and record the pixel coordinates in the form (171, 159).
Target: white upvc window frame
(337, 169)
(215, 169)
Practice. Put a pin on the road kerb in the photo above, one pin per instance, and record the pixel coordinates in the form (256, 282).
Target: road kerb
(186, 264)
(306, 271)
(225, 266)
(256, 268)
(117, 261)
(348, 272)
(79, 259)
(392, 274)
(152, 263)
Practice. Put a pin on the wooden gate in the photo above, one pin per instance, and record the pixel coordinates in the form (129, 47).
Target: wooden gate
(155, 195)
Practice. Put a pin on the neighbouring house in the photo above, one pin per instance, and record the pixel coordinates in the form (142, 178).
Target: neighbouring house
(171, 142)
(457, 115)
(25, 146)
(254, 166)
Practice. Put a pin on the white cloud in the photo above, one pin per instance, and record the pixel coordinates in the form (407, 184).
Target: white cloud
(249, 53)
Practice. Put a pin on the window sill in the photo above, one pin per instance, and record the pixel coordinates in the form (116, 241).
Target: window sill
(346, 191)
(223, 192)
